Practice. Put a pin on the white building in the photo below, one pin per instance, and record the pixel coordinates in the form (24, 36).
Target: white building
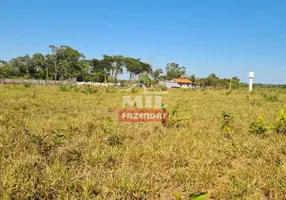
(177, 83)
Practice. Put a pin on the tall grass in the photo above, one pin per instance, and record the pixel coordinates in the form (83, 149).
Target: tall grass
(69, 145)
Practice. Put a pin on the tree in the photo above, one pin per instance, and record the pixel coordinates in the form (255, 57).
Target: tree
(66, 62)
(99, 70)
(212, 80)
(135, 67)
(2, 62)
(40, 64)
(235, 82)
(70, 62)
(213, 76)
(144, 78)
(84, 67)
(132, 66)
(174, 71)
(21, 67)
(6, 70)
(193, 78)
(115, 63)
(215, 82)
(53, 60)
(156, 75)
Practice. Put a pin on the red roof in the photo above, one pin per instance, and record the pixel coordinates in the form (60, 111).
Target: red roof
(180, 80)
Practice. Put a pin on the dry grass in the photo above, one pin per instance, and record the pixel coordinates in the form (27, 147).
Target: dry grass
(70, 145)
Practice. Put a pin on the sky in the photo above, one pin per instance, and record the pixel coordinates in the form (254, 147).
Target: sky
(225, 37)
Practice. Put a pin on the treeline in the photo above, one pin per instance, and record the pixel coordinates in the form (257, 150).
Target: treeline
(64, 62)
(212, 81)
(260, 85)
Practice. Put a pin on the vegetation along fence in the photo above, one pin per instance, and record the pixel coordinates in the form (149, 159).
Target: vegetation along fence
(37, 82)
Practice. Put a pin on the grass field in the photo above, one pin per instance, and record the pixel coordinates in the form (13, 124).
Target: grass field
(58, 144)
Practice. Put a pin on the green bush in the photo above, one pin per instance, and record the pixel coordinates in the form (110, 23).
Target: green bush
(164, 88)
(280, 123)
(227, 121)
(64, 88)
(271, 98)
(259, 126)
(27, 84)
(201, 196)
(90, 90)
(228, 92)
(75, 88)
(135, 90)
(59, 134)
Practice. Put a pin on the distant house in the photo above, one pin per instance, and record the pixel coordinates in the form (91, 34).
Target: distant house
(177, 83)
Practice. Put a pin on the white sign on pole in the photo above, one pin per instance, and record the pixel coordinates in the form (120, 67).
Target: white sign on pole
(251, 76)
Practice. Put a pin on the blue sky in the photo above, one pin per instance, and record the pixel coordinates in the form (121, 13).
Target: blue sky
(227, 37)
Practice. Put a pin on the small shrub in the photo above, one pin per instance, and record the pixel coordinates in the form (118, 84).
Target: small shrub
(255, 103)
(58, 137)
(280, 123)
(59, 134)
(64, 88)
(27, 84)
(164, 88)
(75, 88)
(228, 92)
(135, 90)
(201, 196)
(115, 140)
(278, 162)
(36, 139)
(110, 89)
(173, 117)
(259, 126)
(271, 98)
(90, 90)
(227, 121)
